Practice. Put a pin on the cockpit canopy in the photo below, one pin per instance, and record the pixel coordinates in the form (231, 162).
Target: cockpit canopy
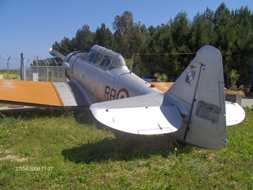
(104, 58)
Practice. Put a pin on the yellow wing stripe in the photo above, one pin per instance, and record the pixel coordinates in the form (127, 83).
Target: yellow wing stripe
(29, 92)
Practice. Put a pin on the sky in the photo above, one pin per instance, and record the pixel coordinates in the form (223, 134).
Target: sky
(32, 26)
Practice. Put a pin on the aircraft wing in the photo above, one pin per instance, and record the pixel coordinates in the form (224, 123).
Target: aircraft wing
(143, 115)
(43, 93)
(162, 86)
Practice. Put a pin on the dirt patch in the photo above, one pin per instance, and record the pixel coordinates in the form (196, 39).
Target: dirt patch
(11, 157)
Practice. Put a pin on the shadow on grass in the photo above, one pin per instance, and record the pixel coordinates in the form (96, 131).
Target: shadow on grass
(32, 113)
(82, 114)
(126, 147)
(123, 147)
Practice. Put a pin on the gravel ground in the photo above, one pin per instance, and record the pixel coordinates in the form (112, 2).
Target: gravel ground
(247, 102)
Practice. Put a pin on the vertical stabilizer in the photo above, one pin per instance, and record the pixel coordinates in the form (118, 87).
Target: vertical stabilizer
(200, 90)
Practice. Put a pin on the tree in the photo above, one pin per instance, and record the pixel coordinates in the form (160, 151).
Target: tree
(128, 35)
(65, 47)
(84, 39)
(229, 31)
(160, 42)
(105, 38)
(242, 57)
(137, 37)
(123, 24)
(164, 41)
(202, 31)
(161, 77)
(235, 36)
(180, 33)
(44, 62)
(225, 40)
(234, 76)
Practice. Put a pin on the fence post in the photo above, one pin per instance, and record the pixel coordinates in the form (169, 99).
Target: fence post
(22, 68)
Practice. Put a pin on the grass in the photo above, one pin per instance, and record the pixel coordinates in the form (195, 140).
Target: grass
(11, 75)
(45, 149)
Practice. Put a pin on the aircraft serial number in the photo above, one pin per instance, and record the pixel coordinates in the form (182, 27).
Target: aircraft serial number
(110, 93)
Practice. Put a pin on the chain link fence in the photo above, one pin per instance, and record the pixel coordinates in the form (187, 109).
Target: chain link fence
(46, 73)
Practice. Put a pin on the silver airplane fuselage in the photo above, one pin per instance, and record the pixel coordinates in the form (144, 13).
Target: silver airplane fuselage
(104, 74)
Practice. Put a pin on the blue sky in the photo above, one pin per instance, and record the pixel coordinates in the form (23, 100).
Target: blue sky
(32, 26)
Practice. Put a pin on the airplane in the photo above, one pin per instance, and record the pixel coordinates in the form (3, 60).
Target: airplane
(193, 110)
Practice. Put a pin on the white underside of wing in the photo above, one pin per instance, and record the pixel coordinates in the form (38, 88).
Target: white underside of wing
(142, 120)
(235, 114)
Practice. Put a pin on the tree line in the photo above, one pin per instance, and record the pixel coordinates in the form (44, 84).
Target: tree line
(162, 49)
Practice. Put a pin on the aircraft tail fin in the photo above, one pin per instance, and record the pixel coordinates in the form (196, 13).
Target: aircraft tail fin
(199, 92)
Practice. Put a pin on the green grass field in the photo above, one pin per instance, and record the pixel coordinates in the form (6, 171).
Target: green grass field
(45, 149)
(11, 75)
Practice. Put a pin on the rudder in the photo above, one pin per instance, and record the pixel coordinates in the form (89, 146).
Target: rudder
(200, 91)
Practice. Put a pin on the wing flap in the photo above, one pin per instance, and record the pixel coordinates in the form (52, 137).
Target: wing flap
(131, 116)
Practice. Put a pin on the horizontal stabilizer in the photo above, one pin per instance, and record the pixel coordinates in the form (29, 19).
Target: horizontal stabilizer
(141, 115)
(235, 114)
